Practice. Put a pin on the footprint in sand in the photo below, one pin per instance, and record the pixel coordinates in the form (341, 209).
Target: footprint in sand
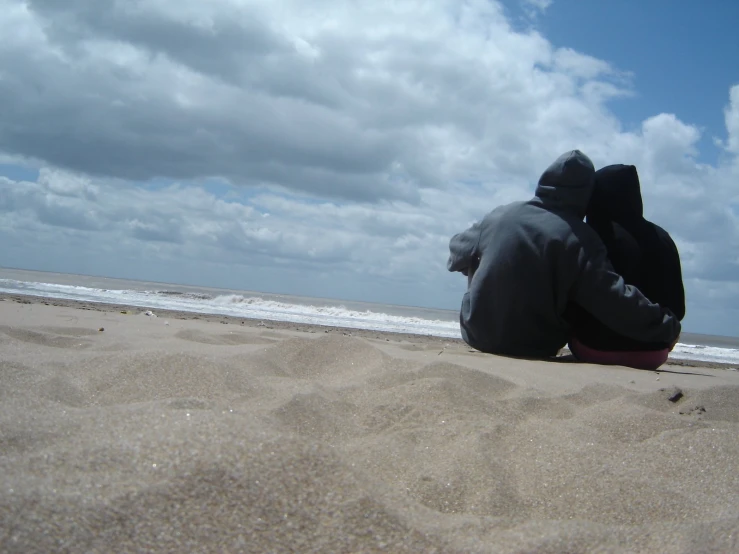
(314, 415)
(328, 355)
(62, 390)
(222, 339)
(70, 331)
(46, 339)
(474, 381)
(189, 404)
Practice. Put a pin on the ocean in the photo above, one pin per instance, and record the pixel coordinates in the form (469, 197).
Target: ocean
(282, 307)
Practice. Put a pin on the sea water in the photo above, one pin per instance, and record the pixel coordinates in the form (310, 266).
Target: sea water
(295, 309)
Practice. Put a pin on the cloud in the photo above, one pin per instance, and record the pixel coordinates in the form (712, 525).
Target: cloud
(533, 8)
(731, 113)
(368, 103)
(327, 148)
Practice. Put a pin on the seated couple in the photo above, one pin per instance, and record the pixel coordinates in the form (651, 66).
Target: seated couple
(540, 277)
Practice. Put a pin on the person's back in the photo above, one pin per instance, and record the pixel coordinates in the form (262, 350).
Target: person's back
(642, 252)
(529, 260)
(519, 300)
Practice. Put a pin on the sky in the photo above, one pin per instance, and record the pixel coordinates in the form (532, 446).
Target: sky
(332, 148)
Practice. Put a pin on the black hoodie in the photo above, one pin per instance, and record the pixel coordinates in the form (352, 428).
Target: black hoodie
(642, 252)
(528, 261)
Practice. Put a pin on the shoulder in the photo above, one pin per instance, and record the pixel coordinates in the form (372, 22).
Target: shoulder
(504, 211)
(661, 232)
(664, 237)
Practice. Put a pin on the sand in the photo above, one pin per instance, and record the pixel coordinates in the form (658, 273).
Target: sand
(173, 434)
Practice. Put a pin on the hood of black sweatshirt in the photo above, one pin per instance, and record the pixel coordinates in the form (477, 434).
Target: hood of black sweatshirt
(616, 195)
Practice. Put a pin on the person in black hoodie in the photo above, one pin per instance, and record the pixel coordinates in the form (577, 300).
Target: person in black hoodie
(644, 254)
(526, 262)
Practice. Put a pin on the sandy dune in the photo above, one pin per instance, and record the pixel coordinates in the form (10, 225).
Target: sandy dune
(183, 435)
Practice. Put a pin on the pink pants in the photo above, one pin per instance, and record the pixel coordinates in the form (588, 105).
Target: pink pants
(650, 359)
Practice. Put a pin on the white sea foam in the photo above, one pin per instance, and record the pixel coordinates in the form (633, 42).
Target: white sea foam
(706, 353)
(253, 307)
(328, 313)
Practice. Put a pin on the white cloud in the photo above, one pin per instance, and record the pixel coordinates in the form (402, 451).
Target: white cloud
(731, 114)
(369, 132)
(575, 64)
(394, 95)
(532, 8)
(541, 4)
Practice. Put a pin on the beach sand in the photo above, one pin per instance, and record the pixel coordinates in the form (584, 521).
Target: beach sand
(121, 432)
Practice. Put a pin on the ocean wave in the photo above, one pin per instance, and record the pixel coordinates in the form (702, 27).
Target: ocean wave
(331, 314)
(248, 307)
(180, 294)
(705, 353)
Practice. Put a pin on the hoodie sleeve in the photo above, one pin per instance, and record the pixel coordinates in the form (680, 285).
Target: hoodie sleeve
(621, 307)
(463, 250)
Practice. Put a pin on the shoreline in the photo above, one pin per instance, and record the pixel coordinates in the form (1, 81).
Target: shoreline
(229, 319)
(389, 336)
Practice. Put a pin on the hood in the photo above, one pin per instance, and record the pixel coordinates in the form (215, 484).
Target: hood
(616, 195)
(568, 183)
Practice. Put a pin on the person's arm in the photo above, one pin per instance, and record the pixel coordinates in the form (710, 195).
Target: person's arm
(463, 254)
(621, 307)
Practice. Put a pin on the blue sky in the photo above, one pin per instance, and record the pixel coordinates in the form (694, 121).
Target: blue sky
(333, 150)
(683, 56)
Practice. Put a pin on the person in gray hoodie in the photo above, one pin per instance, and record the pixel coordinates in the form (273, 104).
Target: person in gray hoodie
(526, 261)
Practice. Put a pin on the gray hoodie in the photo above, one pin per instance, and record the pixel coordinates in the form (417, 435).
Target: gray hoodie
(527, 260)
